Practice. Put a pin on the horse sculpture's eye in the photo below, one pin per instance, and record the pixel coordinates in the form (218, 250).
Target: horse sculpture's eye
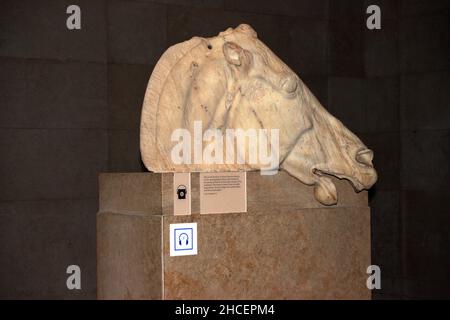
(289, 85)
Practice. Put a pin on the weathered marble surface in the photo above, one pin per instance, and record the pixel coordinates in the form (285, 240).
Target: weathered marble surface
(128, 256)
(288, 246)
(233, 81)
(298, 254)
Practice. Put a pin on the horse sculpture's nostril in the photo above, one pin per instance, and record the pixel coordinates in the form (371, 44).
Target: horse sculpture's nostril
(365, 156)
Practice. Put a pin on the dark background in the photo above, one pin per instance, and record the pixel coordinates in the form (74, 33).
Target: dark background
(70, 106)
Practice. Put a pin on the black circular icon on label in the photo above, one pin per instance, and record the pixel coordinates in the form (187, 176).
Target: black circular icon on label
(181, 191)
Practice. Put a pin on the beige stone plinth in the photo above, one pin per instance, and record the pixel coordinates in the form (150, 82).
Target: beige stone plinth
(287, 246)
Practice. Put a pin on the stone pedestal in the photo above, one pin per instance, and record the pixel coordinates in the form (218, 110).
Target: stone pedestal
(287, 246)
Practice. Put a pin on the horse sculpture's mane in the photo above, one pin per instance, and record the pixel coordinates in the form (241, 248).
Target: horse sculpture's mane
(150, 110)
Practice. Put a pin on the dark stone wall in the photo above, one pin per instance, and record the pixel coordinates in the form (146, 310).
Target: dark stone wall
(70, 106)
(424, 65)
(53, 143)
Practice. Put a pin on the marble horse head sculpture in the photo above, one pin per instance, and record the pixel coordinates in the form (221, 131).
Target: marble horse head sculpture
(234, 81)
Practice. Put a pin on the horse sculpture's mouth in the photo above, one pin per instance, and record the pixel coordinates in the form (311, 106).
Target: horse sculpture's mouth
(361, 180)
(358, 186)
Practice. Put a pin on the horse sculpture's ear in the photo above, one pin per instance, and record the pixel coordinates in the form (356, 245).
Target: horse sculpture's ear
(233, 53)
(245, 28)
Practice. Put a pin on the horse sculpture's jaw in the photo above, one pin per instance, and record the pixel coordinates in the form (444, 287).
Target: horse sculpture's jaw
(234, 83)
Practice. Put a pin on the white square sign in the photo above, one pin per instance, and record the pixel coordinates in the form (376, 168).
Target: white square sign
(183, 239)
